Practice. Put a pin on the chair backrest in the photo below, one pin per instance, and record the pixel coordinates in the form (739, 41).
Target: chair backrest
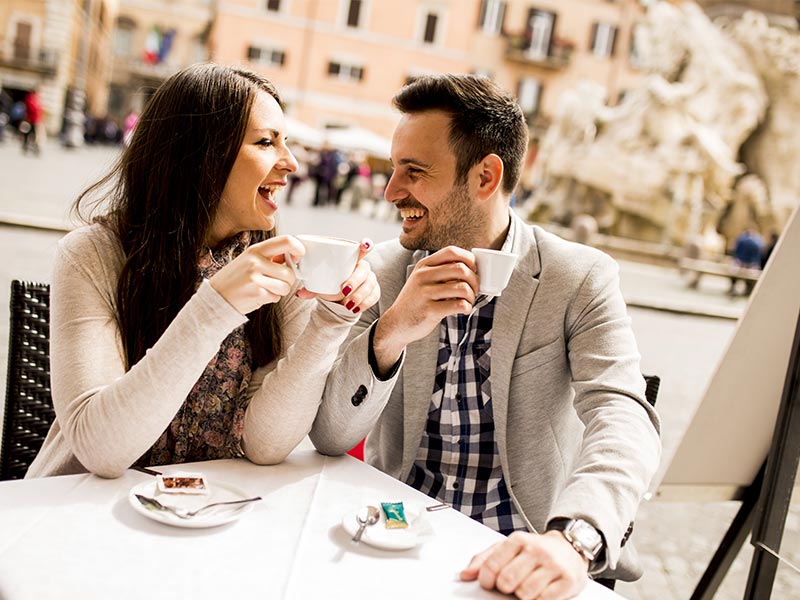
(29, 405)
(652, 383)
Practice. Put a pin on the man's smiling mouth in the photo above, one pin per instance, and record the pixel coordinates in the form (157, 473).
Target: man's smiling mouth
(412, 213)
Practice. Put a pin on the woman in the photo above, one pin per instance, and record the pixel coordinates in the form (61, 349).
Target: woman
(176, 331)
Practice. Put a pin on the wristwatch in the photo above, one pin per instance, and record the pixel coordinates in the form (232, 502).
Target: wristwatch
(582, 535)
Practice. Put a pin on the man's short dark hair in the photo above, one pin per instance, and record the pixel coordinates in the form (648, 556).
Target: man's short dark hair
(485, 119)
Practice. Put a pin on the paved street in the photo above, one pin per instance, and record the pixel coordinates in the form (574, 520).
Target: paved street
(675, 540)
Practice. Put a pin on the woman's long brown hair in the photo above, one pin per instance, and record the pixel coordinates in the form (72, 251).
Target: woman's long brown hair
(161, 196)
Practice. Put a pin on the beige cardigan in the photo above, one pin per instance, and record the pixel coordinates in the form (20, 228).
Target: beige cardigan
(106, 418)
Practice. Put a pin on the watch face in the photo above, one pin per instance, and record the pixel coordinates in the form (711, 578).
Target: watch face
(586, 536)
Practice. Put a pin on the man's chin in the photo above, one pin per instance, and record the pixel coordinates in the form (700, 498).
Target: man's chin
(413, 243)
(408, 242)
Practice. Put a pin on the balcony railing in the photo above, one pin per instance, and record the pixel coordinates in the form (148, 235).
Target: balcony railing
(135, 66)
(519, 50)
(44, 62)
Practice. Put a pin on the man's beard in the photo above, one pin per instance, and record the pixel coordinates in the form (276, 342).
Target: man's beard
(458, 223)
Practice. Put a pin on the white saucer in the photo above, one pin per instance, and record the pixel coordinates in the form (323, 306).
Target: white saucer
(417, 532)
(218, 492)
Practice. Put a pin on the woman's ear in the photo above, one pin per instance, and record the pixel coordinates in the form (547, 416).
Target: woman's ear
(489, 176)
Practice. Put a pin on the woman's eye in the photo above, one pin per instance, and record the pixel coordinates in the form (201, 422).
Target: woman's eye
(264, 142)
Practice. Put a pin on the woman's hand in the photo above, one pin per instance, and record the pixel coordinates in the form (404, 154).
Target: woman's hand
(360, 290)
(258, 275)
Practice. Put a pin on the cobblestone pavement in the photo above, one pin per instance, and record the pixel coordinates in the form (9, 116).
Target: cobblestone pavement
(675, 540)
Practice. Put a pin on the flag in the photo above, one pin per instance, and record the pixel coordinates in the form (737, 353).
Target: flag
(166, 44)
(152, 45)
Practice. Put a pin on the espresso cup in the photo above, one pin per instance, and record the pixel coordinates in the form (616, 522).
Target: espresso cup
(327, 263)
(494, 270)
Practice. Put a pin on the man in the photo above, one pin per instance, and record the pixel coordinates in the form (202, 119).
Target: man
(525, 411)
(747, 252)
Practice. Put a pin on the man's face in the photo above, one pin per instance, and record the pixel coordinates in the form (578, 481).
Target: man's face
(436, 212)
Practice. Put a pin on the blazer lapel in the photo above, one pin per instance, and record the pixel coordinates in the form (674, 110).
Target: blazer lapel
(420, 363)
(511, 313)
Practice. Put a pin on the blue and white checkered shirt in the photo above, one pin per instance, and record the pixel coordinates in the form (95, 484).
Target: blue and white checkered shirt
(458, 462)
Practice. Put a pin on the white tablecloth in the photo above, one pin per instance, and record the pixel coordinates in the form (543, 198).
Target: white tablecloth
(77, 537)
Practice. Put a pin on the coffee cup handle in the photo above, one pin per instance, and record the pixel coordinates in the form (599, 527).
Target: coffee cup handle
(293, 266)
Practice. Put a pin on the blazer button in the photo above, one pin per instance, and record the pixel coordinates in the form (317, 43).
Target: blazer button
(359, 396)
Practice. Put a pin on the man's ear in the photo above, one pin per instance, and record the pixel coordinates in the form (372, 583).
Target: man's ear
(488, 175)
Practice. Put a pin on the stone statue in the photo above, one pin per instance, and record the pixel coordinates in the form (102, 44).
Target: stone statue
(661, 164)
(771, 152)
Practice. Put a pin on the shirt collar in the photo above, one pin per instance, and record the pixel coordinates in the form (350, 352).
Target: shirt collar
(508, 244)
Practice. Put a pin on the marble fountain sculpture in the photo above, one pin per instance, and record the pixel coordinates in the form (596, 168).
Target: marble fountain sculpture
(663, 164)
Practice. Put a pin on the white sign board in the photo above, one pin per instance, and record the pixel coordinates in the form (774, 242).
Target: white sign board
(730, 434)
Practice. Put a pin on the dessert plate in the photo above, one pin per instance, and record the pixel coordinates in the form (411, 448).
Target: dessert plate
(213, 517)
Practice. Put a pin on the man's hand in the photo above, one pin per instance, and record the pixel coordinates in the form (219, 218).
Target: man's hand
(529, 565)
(442, 284)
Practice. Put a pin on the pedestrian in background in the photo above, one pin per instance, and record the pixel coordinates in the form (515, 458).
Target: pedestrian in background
(128, 126)
(747, 252)
(324, 173)
(33, 134)
(5, 113)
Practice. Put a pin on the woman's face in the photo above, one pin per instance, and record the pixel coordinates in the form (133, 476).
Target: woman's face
(249, 199)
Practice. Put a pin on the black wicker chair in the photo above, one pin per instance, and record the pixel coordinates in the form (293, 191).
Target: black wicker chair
(29, 406)
(652, 383)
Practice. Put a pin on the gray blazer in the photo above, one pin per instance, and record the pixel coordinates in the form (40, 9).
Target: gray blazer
(576, 436)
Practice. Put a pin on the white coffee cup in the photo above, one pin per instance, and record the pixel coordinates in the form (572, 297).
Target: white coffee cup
(327, 263)
(494, 270)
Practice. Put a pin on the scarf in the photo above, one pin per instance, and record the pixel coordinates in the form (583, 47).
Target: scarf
(210, 422)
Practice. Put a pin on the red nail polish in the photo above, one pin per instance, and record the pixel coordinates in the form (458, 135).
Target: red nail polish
(346, 290)
(356, 310)
(350, 305)
(367, 245)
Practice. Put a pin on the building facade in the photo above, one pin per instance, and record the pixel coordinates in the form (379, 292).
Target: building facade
(339, 62)
(153, 39)
(60, 47)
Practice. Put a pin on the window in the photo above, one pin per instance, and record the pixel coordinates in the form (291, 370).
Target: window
(22, 40)
(604, 36)
(273, 5)
(490, 19)
(529, 93)
(539, 32)
(266, 56)
(354, 13)
(345, 71)
(635, 54)
(429, 34)
(123, 37)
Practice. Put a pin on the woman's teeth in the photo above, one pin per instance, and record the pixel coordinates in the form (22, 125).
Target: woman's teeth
(268, 190)
(411, 213)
